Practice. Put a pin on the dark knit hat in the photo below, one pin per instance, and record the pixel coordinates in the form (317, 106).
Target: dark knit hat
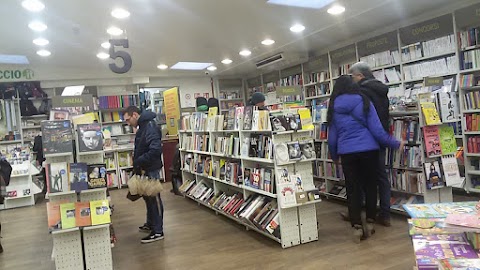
(257, 98)
(202, 104)
(212, 102)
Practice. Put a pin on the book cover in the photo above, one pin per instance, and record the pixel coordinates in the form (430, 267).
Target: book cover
(255, 120)
(433, 175)
(291, 122)
(286, 194)
(314, 195)
(449, 106)
(67, 213)
(89, 137)
(307, 149)
(465, 220)
(100, 212)
(238, 118)
(231, 119)
(254, 145)
(56, 115)
(53, 215)
(294, 152)
(297, 180)
(451, 172)
(263, 123)
(426, 226)
(57, 137)
(301, 197)
(448, 143)
(282, 176)
(432, 141)
(57, 177)
(430, 113)
(305, 118)
(247, 118)
(247, 177)
(281, 153)
(212, 111)
(97, 176)
(459, 264)
(439, 210)
(77, 176)
(82, 214)
(255, 178)
(276, 122)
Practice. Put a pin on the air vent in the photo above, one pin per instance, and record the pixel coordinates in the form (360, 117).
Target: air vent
(269, 60)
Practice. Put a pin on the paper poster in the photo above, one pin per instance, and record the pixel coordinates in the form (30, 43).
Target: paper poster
(172, 110)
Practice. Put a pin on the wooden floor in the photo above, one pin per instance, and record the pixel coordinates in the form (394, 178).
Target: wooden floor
(196, 238)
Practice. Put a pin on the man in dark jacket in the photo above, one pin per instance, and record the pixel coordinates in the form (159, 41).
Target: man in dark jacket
(147, 157)
(377, 92)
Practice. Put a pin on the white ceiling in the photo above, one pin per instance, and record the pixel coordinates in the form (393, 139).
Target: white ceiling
(168, 31)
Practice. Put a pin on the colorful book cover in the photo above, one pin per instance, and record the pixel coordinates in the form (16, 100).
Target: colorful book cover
(308, 150)
(89, 137)
(57, 177)
(439, 210)
(426, 226)
(77, 176)
(451, 172)
(97, 176)
(306, 119)
(448, 143)
(430, 113)
(82, 214)
(459, 264)
(53, 214)
(294, 152)
(276, 121)
(212, 111)
(433, 175)
(67, 213)
(465, 220)
(286, 194)
(57, 137)
(432, 141)
(100, 212)
(247, 118)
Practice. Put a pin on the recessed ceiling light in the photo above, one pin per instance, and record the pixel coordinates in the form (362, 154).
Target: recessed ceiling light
(227, 61)
(103, 55)
(297, 28)
(191, 65)
(120, 13)
(245, 52)
(212, 68)
(37, 26)
(33, 5)
(114, 31)
(317, 4)
(13, 59)
(105, 45)
(336, 10)
(40, 41)
(162, 66)
(44, 53)
(268, 42)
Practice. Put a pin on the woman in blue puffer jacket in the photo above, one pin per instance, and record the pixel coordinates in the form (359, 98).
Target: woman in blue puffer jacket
(355, 135)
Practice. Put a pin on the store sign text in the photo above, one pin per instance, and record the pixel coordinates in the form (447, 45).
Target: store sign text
(123, 55)
(16, 74)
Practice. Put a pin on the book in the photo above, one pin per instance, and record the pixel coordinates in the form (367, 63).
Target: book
(426, 226)
(281, 153)
(56, 137)
(430, 113)
(274, 226)
(56, 115)
(459, 264)
(433, 175)
(67, 213)
(100, 212)
(89, 137)
(314, 195)
(439, 210)
(247, 117)
(305, 118)
(432, 141)
(286, 194)
(97, 176)
(53, 215)
(276, 122)
(297, 180)
(308, 150)
(450, 171)
(212, 111)
(301, 197)
(231, 119)
(255, 119)
(294, 151)
(282, 175)
(448, 143)
(57, 177)
(77, 176)
(465, 220)
(82, 214)
(449, 107)
(238, 118)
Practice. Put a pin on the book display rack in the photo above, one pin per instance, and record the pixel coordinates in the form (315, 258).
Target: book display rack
(231, 94)
(236, 172)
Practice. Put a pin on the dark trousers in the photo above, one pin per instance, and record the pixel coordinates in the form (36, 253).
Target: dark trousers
(154, 208)
(384, 191)
(360, 170)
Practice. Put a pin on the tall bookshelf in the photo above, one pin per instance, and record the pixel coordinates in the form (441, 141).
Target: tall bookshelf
(298, 223)
(230, 94)
(271, 81)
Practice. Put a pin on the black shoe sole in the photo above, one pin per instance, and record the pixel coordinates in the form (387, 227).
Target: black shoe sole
(151, 240)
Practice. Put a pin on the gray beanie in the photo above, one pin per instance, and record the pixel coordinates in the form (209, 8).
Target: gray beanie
(257, 98)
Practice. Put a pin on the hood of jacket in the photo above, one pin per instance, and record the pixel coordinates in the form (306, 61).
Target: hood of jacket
(344, 104)
(378, 88)
(146, 117)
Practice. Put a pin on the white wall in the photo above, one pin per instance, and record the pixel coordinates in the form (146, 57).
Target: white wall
(187, 87)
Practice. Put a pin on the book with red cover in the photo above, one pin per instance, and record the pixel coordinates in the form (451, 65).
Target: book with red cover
(82, 214)
(432, 141)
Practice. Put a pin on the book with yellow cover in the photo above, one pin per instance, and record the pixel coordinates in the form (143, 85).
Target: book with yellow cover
(86, 118)
(82, 214)
(67, 213)
(100, 212)
(305, 118)
(430, 113)
(212, 111)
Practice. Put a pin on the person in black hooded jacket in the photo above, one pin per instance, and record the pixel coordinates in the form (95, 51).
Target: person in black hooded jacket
(147, 157)
(377, 92)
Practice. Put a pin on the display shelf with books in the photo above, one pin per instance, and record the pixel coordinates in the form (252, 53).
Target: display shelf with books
(341, 60)
(271, 83)
(246, 176)
(230, 93)
(291, 79)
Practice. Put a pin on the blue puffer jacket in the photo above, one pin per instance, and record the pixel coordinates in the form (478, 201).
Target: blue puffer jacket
(148, 144)
(353, 131)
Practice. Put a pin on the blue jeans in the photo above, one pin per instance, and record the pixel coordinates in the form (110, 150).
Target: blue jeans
(384, 191)
(154, 207)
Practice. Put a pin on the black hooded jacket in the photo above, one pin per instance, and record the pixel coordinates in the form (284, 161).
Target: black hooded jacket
(148, 144)
(377, 92)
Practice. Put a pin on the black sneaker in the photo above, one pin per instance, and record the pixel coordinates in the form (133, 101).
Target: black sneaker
(152, 237)
(145, 228)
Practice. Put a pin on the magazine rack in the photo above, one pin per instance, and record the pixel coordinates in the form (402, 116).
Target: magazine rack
(298, 222)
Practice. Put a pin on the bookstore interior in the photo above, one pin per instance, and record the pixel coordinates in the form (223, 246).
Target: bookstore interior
(242, 107)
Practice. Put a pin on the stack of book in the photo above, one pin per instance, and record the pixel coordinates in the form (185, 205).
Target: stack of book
(77, 214)
(317, 77)
(389, 75)
(63, 176)
(201, 142)
(257, 146)
(471, 100)
(406, 129)
(470, 80)
(408, 181)
(473, 144)
(318, 90)
(470, 59)
(341, 69)
(381, 59)
(409, 157)
(228, 146)
(292, 80)
(428, 48)
(442, 66)
(469, 38)
(116, 102)
(334, 171)
(259, 178)
(472, 121)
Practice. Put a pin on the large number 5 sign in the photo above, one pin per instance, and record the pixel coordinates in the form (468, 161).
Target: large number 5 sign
(125, 56)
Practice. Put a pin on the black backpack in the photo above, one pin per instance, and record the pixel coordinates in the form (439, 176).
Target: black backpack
(5, 171)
